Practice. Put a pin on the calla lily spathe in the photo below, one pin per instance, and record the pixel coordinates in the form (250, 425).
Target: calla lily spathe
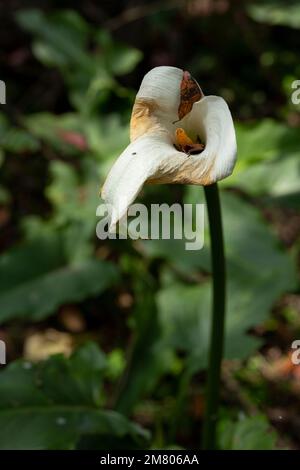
(152, 156)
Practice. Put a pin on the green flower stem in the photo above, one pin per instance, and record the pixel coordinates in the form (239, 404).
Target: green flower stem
(218, 317)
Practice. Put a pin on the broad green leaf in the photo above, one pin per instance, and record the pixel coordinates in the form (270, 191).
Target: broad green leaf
(274, 179)
(60, 375)
(249, 243)
(185, 316)
(249, 433)
(254, 255)
(50, 405)
(259, 272)
(264, 140)
(268, 161)
(37, 278)
(60, 427)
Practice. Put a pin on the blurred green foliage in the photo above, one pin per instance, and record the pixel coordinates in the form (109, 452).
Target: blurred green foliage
(52, 258)
(57, 401)
(251, 433)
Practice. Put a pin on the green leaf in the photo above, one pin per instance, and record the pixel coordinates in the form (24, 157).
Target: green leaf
(107, 138)
(184, 316)
(51, 129)
(251, 248)
(50, 405)
(123, 59)
(62, 37)
(276, 12)
(275, 179)
(18, 140)
(268, 163)
(48, 55)
(249, 433)
(254, 255)
(75, 199)
(37, 278)
(150, 357)
(259, 272)
(119, 58)
(265, 139)
(59, 427)
(84, 382)
(63, 40)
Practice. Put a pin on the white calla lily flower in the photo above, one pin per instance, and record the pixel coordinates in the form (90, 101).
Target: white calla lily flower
(169, 117)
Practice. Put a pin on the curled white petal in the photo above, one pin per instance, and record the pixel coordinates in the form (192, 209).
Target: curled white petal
(152, 158)
(162, 84)
(157, 101)
(148, 157)
(211, 119)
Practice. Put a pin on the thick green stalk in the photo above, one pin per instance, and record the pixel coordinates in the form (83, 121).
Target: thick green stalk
(218, 317)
